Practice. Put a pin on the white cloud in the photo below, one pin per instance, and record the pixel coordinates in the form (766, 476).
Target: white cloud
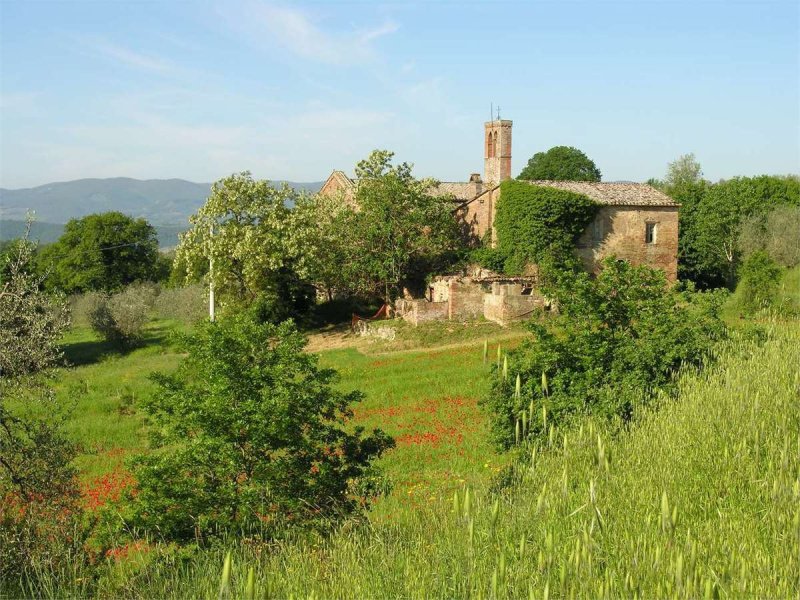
(296, 30)
(126, 56)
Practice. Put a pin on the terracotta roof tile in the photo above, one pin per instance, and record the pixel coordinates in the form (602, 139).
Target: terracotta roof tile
(614, 194)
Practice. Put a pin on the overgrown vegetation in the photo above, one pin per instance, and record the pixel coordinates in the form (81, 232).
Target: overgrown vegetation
(38, 490)
(616, 340)
(697, 498)
(712, 240)
(536, 225)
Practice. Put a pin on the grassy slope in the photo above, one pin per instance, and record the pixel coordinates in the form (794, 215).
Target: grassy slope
(426, 399)
(698, 499)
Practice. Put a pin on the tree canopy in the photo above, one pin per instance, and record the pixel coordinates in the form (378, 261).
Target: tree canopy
(711, 220)
(248, 232)
(393, 233)
(104, 251)
(561, 163)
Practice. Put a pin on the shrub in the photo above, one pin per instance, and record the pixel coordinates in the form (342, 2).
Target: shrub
(121, 317)
(760, 278)
(777, 233)
(187, 304)
(38, 490)
(255, 437)
(616, 339)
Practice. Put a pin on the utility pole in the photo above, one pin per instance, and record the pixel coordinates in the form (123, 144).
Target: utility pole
(211, 276)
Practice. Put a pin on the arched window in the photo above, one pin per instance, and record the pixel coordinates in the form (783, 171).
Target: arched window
(489, 146)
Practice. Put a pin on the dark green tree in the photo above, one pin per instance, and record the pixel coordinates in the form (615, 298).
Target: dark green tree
(712, 224)
(104, 251)
(249, 435)
(561, 163)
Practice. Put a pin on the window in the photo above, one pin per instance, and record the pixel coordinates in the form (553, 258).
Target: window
(597, 231)
(650, 233)
(490, 145)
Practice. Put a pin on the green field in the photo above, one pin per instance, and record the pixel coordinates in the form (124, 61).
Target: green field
(698, 497)
(426, 399)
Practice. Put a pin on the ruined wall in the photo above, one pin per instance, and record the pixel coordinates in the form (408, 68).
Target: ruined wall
(621, 230)
(465, 300)
(509, 308)
(420, 311)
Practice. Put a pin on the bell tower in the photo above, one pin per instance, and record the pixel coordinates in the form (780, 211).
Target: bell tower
(497, 150)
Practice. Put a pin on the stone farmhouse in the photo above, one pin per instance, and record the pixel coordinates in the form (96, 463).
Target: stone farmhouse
(635, 222)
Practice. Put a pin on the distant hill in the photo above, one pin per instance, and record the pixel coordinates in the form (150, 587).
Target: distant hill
(160, 201)
(47, 233)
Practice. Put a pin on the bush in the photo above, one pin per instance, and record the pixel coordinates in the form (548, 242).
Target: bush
(120, 318)
(187, 304)
(759, 279)
(255, 435)
(777, 233)
(615, 340)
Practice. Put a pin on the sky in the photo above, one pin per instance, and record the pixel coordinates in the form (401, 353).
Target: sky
(289, 91)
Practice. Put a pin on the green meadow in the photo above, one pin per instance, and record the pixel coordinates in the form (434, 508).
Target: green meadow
(698, 497)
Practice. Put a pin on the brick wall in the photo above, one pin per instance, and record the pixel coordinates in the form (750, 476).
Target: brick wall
(506, 308)
(420, 311)
(476, 217)
(466, 300)
(620, 231)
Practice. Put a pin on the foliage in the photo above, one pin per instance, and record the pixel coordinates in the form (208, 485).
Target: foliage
(697, 499)
(560, 163)
(31, 321)
(38, 492)
(103, 251)
(187, 304)
(399, 232)
(685, 170)
(120, 318)
(759, 279)
(616, 339)
(324, 224)
(777, 233)
(250, 235)
(537, 224)
(248, 435)
(712, 217)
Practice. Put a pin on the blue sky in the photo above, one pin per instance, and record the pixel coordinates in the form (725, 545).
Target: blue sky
(198, 90)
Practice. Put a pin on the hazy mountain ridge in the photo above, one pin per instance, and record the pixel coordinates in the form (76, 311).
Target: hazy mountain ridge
(160, 201)
(47, 233)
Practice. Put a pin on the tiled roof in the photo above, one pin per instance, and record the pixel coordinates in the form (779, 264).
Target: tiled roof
(614, 194)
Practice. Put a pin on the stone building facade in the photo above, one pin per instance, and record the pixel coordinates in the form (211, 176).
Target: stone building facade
(635, 222)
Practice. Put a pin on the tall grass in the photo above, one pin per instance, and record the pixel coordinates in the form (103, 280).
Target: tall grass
(699, 498)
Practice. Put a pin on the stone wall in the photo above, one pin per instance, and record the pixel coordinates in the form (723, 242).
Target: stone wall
(620, 231)
(421, 311)
(465, 300)
(507, 308)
